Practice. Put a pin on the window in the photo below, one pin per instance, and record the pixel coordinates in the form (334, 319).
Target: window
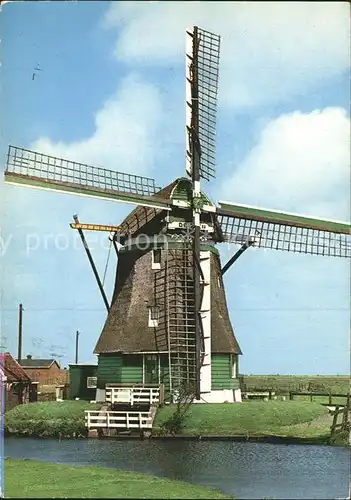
(234, 365)
(151, 369)
(91, 382)
(156, 258)
(154, 315)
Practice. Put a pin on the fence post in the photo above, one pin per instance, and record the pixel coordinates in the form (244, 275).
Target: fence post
(330, 399)
(335, 418)
(290, 395)
(344, 418)
(127, 420)
(162, 394)
(311, 397)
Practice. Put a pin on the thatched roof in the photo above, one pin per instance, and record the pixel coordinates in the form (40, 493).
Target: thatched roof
(140, 216)
(137, 285)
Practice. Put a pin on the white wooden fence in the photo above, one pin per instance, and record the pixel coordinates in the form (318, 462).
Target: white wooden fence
(133, 395)
(118, 419)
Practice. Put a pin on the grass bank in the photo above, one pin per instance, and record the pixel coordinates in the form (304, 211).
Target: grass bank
(293, 419)
(52, 418)
(46, 480)
(282, 384)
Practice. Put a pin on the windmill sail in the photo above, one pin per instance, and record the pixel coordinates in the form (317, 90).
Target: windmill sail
(284, 231)
(38, 170)
(202, 63)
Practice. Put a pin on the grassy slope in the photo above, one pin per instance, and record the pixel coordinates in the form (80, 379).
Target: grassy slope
(53, 418)
(337, 384)
(281, 418)
(45, 480)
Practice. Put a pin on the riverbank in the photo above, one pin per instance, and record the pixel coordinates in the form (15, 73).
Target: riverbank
(271, 421)
(48, 480)
(63, 419)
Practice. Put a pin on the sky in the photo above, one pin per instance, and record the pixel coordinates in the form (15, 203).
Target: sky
(111, 93)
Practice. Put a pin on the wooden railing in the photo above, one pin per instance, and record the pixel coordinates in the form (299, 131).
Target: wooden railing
(118, 420)
(258, 394)
(133, 395)
(345, 413)
(311, 395)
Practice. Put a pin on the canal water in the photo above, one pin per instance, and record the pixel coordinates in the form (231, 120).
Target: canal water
(244, 469)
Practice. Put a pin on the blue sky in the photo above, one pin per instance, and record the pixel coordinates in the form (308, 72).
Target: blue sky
(111, 93)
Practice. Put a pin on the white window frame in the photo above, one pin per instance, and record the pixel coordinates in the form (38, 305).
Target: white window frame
(91, 384)
(234, 365)
(159, 365)
(153, 323)
(156, 265)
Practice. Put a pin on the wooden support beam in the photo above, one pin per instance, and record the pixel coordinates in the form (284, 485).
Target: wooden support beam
(237, 255)
(96, 274)
(95, 227)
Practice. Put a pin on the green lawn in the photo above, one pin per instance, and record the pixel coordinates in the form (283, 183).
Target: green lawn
(30, 479)
(279, 418)
(282, 384)
(274, 418)
(51, 418)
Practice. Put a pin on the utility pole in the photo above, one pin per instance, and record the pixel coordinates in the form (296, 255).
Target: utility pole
(20, 315)
(77, 338)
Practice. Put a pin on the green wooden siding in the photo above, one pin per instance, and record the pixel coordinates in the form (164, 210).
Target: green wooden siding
(128, 368)
(222, 373)
(132, 369)
(119, 368)
(78, 375)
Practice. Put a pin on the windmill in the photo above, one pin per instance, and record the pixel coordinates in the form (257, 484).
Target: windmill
(168, 319)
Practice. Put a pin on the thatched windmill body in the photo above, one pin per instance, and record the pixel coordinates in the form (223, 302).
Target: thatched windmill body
(168, 320)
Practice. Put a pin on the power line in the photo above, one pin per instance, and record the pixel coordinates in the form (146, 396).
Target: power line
(90, 309)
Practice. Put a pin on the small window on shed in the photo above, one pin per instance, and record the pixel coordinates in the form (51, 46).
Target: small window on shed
(156, 258)
(91, 382)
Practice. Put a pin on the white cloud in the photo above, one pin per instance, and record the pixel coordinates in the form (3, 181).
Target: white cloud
(270, 50)
(126, 128)
(301, 162)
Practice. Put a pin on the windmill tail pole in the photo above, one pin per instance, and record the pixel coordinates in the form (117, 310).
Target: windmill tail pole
(20, 317)
(96, 274)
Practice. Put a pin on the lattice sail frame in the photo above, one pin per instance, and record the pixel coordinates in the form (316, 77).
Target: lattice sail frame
(207, 71)
(26, 167)
(284, 231)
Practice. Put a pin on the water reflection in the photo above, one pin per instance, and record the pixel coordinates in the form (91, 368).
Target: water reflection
(246, 470)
